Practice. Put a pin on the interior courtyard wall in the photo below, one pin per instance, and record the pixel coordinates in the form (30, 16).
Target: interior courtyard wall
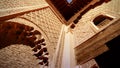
(84, 30)
(7, 4)
(44, 19)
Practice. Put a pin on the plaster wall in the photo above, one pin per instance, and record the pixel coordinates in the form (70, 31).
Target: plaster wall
(44, 20)
(85, 29)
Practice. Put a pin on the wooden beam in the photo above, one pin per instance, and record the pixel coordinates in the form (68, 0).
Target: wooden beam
(95, 45)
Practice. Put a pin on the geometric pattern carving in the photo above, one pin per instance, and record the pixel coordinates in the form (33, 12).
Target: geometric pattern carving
(48, 23)
(6, 4)
(82, 32)
(15, 33)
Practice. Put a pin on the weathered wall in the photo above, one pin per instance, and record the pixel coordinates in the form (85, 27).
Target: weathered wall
(7, 4)
(83, 29)
(18, 56)
(44, 19)
(48, 23)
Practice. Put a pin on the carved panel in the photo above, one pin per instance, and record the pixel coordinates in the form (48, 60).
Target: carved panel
(48, 23)
(7, 4)
(12, 33)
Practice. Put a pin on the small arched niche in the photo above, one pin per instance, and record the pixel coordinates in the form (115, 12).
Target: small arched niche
(102, 20)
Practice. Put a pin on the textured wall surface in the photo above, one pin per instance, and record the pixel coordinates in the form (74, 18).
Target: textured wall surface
(18, 56)
(46, 20)
(7, 4)
(83, 29)
(43, 20)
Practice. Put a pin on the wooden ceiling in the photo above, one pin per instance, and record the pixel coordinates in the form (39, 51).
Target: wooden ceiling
(67, 10)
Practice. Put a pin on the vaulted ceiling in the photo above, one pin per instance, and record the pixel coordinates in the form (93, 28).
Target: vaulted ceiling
(67, 10)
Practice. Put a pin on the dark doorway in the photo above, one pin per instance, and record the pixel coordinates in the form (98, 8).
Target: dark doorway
(111, 58)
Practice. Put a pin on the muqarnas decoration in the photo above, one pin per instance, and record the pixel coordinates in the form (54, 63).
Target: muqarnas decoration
(16, 33)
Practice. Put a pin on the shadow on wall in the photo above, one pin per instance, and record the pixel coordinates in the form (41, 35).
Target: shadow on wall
(111, 58)
(15, 33)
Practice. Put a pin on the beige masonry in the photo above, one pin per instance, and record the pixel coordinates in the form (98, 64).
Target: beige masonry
(68, 48)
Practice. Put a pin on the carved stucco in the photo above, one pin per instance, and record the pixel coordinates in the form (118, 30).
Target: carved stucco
(18, 56)
(7, 4)
(48, 24)
(46, 20)
(14, 54)
(84, 29)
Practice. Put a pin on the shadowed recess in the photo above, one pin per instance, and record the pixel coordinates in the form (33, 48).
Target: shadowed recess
(111, 58)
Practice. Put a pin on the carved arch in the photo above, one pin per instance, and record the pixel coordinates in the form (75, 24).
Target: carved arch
(16, 33)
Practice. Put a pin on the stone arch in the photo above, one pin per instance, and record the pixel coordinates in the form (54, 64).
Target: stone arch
(16, 31)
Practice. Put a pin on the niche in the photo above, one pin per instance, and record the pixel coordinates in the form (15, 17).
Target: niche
(102, 20)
